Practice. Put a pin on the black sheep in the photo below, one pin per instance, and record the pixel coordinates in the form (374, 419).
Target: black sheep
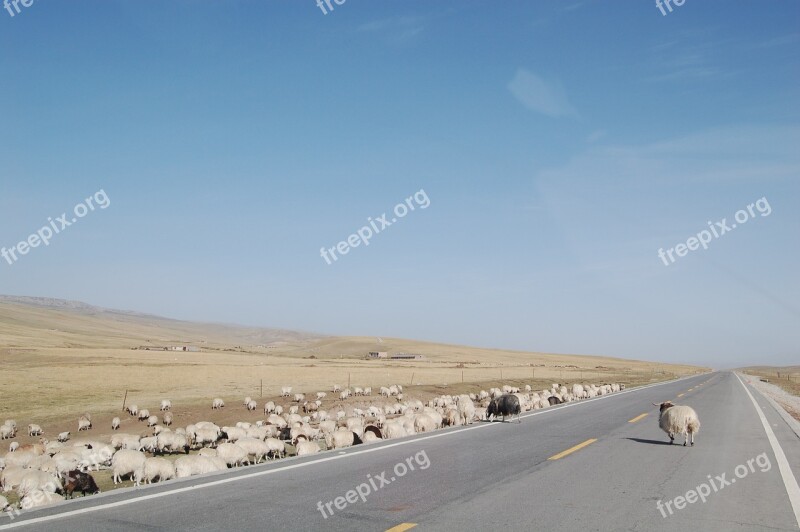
(505, 405)
(78, 481)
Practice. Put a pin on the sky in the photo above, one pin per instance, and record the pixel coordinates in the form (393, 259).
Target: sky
(556, 148)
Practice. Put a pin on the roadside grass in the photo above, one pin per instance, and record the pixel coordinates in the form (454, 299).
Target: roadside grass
(787, 377)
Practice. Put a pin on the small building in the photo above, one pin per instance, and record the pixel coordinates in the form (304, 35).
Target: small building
(406, 356)
(378, 354)
(190, 348)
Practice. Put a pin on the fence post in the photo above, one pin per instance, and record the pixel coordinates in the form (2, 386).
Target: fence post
(125, 399)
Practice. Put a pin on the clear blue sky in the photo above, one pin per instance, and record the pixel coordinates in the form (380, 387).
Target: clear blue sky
(561, 144)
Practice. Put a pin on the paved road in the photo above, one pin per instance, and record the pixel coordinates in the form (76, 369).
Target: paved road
(498, 476)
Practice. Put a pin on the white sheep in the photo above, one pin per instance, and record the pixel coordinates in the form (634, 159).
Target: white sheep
(166, 404)
(307, 447)
(466, 409)
(275, 419)
(336, 388)
(286, 391)
(269, 408)
(232, 454)
(678, 419)
(234, 433)
(128, 462)
(152, 421)
(149, 444)
(256, 448)
(277, 448)
(99, 455)
(38, 498)
(252, 405)
(394, 429)
(172, 442)
(158, 468)
(186, 466)
(133, 410)
(168, 419)
(321, 395)
(63, 436)
(38, 480)
(34, 430)
(4, 506)
(7, 432)
(84, 423)
(217, 403)
(115, 423)
(424, 423)
(339, 439)
(204, 436)
(11, 476)
(259, 433)
(13, 446)
(119, 438)
(299, 397)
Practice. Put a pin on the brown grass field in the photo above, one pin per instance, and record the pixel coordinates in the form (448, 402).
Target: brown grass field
(786, 377)
(58, 360)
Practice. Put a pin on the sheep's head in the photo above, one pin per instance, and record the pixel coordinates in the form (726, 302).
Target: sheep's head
(664, 406)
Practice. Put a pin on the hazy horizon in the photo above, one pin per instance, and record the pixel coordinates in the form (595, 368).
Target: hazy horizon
(233, 141)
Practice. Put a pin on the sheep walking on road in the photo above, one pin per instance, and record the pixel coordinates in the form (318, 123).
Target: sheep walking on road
(678, 419)
(505, 405)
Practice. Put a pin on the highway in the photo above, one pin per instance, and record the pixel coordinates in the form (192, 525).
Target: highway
(599, 464)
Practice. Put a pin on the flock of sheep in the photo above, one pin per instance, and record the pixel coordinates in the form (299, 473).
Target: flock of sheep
(48, 471)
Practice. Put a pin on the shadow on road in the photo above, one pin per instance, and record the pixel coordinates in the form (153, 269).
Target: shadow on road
(651, 442)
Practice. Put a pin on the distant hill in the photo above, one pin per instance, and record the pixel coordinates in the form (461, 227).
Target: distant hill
(43, 324)
(49, 322)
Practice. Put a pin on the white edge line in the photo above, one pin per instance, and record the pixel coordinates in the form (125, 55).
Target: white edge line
(792, 489)
(142, 498)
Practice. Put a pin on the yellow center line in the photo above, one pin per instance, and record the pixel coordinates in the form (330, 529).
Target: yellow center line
(573, 449)
(402, 527)
(637, 418)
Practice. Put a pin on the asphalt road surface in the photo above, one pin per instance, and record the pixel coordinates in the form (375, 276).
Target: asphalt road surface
(621, 474)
